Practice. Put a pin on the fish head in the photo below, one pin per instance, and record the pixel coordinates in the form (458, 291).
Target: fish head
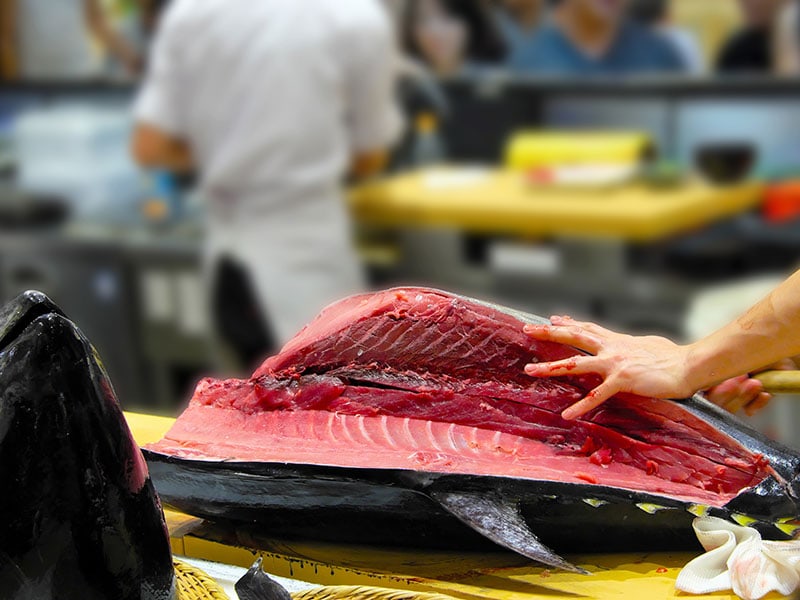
(81, 518)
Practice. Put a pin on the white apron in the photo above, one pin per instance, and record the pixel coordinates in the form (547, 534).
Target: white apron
(298, 252)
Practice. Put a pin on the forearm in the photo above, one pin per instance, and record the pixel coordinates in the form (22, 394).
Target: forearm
(8, 41)
(8, 63)
(155, 149)
(108, 37)
(368, 164)
(767, 333)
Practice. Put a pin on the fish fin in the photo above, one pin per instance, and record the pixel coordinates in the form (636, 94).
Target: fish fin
(257, 585)
(501, 522)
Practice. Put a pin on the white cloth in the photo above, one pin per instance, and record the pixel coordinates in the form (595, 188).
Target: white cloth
(738, 559)
(299, 260)
(54, 40)
(274, 98)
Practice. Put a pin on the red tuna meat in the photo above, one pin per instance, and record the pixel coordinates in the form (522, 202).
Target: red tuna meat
(420, 379)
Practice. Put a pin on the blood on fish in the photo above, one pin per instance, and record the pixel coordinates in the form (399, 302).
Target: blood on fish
(602, 457)
(432, 357)
(589, 446)
(587, 478)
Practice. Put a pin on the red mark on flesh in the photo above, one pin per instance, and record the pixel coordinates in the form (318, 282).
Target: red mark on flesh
(601, 457)
(586, 477)
(588, 447)
(569, 366)
(652, 467)
(545, 573)
(737, 463)
(662, 570)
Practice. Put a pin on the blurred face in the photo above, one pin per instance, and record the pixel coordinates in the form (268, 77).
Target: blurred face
(522, 6)
(610, 11)
(759, 13)
(440, 37)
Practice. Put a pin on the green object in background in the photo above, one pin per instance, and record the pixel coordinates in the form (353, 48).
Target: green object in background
(663, 173)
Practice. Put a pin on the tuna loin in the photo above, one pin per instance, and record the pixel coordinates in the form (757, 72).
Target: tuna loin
(430, 381)
(421, 380)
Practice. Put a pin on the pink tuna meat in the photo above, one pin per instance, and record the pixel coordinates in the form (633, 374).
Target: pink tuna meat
(424, 380)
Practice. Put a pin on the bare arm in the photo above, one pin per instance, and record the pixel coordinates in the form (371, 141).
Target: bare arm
(99, 26)
(8, 39)
(156, 149)
(655, 366)
(373, 119)
(765, 334)
(367, 164)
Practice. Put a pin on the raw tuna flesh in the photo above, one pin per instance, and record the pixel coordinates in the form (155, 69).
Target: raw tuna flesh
(424, 380)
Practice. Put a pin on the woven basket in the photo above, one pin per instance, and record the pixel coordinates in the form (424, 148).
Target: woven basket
(194, 584)
(347, 592)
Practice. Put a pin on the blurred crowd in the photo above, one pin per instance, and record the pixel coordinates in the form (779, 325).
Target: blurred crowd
(40, 39)
(585, 37)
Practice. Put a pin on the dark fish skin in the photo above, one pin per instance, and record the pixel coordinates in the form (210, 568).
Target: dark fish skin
(257, 585)
(537, 519)
(79, 518)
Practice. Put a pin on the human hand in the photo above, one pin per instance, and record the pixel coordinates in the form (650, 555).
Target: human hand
(645, 366)
(739, 392)
(746, 392)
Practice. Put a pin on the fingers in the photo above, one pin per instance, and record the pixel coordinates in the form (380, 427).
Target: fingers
(586, 325)
(760, 402)
(595, 398)
(726, 391)
(748, 392)
(571, 335)
(736, 393)
(576, 365)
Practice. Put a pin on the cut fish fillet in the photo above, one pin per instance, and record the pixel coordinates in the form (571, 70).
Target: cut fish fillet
(424, 380)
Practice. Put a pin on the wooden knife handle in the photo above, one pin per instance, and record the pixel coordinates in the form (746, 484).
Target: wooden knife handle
(780, 382)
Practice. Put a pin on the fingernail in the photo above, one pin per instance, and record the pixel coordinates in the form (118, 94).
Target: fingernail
(530, 369)
(569, 415)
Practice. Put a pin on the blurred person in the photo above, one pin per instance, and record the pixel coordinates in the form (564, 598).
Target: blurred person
(451, 37)
(52, 40)
(150, 14)
(595, 37)
(786, 40)
(518, 21)
(657, 367)
(750, 50)
(272, 102)
(655, 14)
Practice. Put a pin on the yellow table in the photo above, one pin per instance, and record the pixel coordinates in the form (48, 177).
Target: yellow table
(503, 576)
(494, 201)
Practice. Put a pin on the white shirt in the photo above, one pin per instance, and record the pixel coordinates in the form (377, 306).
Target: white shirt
(273, 96)
(54, 41)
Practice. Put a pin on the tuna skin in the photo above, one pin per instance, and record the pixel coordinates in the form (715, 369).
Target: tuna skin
(422, 355)
(80, 516)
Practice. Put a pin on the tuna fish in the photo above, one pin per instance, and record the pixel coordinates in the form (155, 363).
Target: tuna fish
(405, 416)
(79, 518)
